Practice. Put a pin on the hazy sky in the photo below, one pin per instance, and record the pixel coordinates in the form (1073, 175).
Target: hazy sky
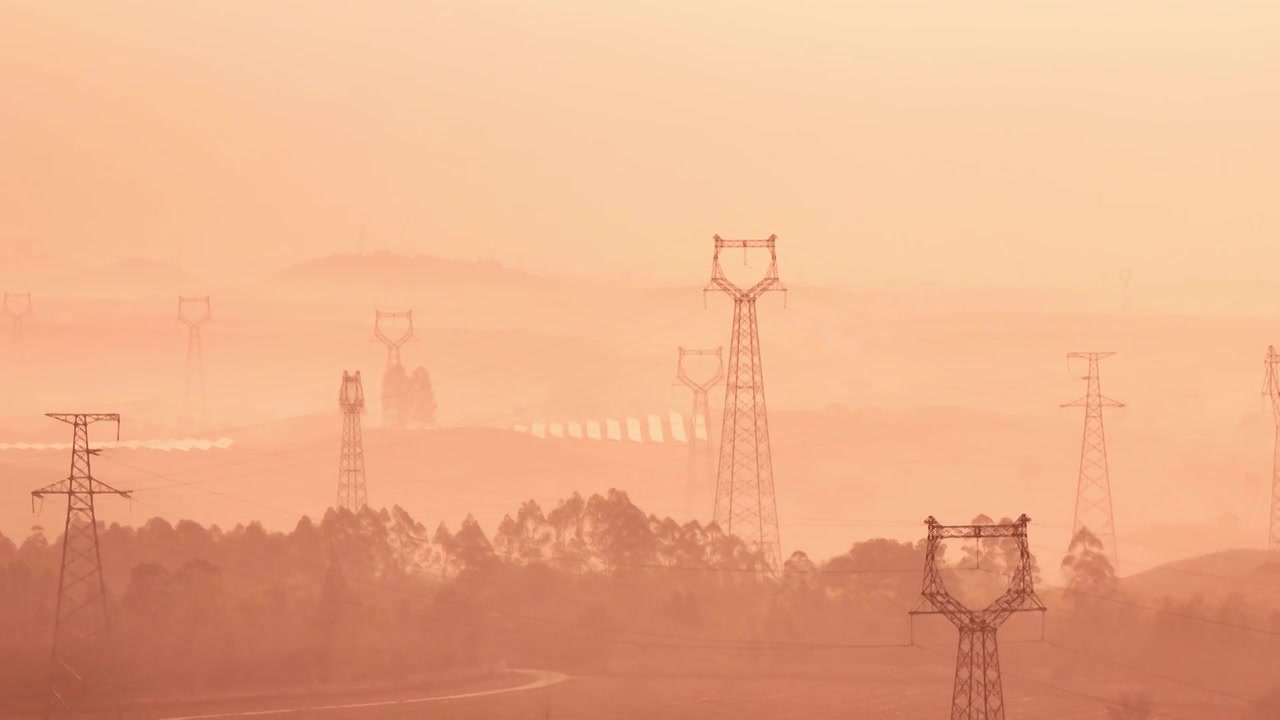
(1010, 141)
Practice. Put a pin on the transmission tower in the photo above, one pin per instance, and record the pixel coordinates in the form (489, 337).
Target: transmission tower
(745, 502)
(80, 673)
(700, 469)
(351, 488)
(195, 357)
(17, 306)
(391, 390)
(977, 693)
(393, 343)
(1271, 389)
(1093, 489)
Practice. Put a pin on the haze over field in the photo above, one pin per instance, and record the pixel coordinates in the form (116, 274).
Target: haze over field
(962, 195)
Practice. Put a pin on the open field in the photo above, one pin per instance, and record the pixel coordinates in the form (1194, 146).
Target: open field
(922, 694)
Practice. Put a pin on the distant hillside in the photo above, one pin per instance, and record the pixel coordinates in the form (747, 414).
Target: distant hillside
(134, 277)
(1254, 574)
(141, 272)
(386, 269)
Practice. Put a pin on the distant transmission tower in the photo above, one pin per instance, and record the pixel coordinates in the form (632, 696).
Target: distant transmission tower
(390, 390)
(17, 306)
(978, 693)
(1271, 389)
(745, 502)
(195, 357)
(351, 488)
(700, 470)
(80, 673)
(1093, 489)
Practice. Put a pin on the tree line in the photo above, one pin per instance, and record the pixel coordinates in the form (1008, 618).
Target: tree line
(594, 585)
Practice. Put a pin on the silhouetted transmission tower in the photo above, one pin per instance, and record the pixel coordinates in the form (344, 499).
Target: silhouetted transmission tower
(745, 502)
(1271, 389)
(700, 469)
(393, 366)
(17, 306)
(80, 673)
(1093, 489)
(351, 488)
(195, 357)
(978, 693)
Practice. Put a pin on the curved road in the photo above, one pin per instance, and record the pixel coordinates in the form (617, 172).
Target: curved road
(541, 678)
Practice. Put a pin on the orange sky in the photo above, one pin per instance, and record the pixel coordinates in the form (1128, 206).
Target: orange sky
(982, 142)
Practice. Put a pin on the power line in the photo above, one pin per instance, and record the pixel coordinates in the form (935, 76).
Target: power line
(1166, 678)
(1077, 693)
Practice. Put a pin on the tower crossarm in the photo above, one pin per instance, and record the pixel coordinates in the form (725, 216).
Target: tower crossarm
(936, 599)
(769, 283)
(64, 487)
(87, 418)
(17, 305)
(393, 341)
(79, 481)
(1102, 402)
(683, 376)
(201, 304)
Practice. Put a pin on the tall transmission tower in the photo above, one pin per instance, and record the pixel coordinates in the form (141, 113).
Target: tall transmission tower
(745, 503)
(393, 344)
(1271, 389)
(700, 469)
(195, 357)
(17, 306)
(1093, 488)
(978, 693)
(351, 488)
(80, 672)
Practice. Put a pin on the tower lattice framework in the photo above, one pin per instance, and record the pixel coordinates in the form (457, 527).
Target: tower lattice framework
(82, 658)
(978, 693)
(17, 307)
(745, 503)
(194, 312)
(393, 344)
(701, 468)
(1271, 389)
(1093, 488)
(352, 494)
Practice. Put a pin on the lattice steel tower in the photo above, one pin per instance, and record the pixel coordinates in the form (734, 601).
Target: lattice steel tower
(17, 306)
(393, 344)
(745, 502)
(1093, 488)
(351, 488)
(978, 693)
(195, 357)
(80, 671)
(701, 469)
(1271, 389)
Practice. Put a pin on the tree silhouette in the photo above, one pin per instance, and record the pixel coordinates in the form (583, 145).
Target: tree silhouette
(422, 397)
(1087, 568)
